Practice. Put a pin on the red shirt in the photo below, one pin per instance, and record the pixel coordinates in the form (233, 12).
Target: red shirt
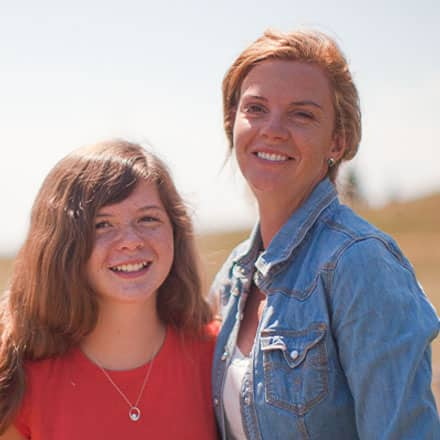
(69, 397)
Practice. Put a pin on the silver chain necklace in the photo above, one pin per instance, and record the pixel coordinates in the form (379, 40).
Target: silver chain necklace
(134, 413)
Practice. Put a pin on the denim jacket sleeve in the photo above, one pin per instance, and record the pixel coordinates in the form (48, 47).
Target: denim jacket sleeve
(383, 326)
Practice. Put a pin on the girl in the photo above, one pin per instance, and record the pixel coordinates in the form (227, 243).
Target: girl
(104, 327)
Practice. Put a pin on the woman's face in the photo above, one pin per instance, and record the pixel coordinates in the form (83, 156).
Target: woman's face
(133, 249)
(284, 129)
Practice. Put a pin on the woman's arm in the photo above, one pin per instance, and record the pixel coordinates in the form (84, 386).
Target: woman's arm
(12, 434)
(384, 324)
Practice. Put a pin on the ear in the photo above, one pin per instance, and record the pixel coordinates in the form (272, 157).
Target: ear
(338, 147)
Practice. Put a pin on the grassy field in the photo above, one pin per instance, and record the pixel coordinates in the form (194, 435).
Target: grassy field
(415, 226)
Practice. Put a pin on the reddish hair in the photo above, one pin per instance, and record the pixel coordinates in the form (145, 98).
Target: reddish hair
(309, 47)
(49, 306)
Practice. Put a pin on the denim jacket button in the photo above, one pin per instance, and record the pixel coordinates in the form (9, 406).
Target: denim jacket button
(240, 270)
(294, 354)
(216, 401)
(224, 355)
(247, 400)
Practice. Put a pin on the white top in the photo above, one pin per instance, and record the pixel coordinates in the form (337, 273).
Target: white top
(231, 393)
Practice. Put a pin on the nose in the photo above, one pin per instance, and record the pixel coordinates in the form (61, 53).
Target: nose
(274, 128)
(130, 239)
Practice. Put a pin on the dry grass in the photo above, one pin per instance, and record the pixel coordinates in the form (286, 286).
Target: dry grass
(414, 225)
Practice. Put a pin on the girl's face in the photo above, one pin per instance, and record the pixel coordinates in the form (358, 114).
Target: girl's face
(133, 250)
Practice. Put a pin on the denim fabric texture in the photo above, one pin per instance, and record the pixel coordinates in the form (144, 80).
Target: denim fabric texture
(342, 350)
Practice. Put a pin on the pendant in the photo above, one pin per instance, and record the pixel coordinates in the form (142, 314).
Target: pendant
(134, 413)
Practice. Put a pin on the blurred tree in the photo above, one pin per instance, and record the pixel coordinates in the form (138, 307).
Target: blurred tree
(352, 188)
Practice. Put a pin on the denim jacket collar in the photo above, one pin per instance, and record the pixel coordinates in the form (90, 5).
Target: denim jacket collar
(290, 235)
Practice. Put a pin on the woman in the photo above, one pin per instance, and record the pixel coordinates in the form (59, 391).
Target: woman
(104, 328)
(325, 330)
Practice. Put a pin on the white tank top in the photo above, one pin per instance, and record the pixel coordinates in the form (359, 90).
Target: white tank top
(231, 393)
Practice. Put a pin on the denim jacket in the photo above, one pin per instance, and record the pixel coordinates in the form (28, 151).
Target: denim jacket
(342, 350)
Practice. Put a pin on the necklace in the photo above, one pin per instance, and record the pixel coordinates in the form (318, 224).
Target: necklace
(134, 413)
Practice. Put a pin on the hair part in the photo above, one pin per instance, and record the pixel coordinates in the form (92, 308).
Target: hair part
(49, 306)
(306, 46)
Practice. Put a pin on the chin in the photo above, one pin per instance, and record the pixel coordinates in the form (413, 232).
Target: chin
(129, 297)
(266, 185)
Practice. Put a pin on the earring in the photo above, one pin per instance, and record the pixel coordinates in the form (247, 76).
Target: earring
(331, 162)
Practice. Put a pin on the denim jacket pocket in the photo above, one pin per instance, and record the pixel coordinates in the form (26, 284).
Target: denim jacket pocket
(295, 367)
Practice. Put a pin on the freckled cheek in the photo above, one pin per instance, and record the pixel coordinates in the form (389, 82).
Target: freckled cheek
(102, 243)
(97, 258)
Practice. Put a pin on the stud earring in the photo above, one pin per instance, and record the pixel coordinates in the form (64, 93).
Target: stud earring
(331, 162)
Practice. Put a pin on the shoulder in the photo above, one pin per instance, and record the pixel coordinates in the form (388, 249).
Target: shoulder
(375, 264)
(348, 235)
(368, 269)
(342, 219)
(379, 252)
(42, 378)
(46, 368)
(47, 377)
(181, 340)
(194, 350)
(373, 279)
(38, 371)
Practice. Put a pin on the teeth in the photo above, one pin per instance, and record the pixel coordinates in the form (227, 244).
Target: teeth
(130, 267)
(272, 157)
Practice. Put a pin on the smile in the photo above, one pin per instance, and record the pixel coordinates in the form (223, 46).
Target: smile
(128, 268)
(272, 156)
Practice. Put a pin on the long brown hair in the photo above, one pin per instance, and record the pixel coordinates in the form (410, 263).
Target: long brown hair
(49, 306)
(307, 46)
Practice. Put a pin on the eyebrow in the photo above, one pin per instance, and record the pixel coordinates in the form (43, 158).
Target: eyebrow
(141, 209)
(304, 103)
(307, 102)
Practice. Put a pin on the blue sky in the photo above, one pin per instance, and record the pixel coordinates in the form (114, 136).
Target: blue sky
(72, 73)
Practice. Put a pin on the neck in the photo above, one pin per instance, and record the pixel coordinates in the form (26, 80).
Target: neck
(126, 336)
(275, 208)
(273, 215)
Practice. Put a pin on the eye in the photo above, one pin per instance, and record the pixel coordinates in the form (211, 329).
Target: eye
(149, 219)
(103, 224)
(254, 108)
(302, 115)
